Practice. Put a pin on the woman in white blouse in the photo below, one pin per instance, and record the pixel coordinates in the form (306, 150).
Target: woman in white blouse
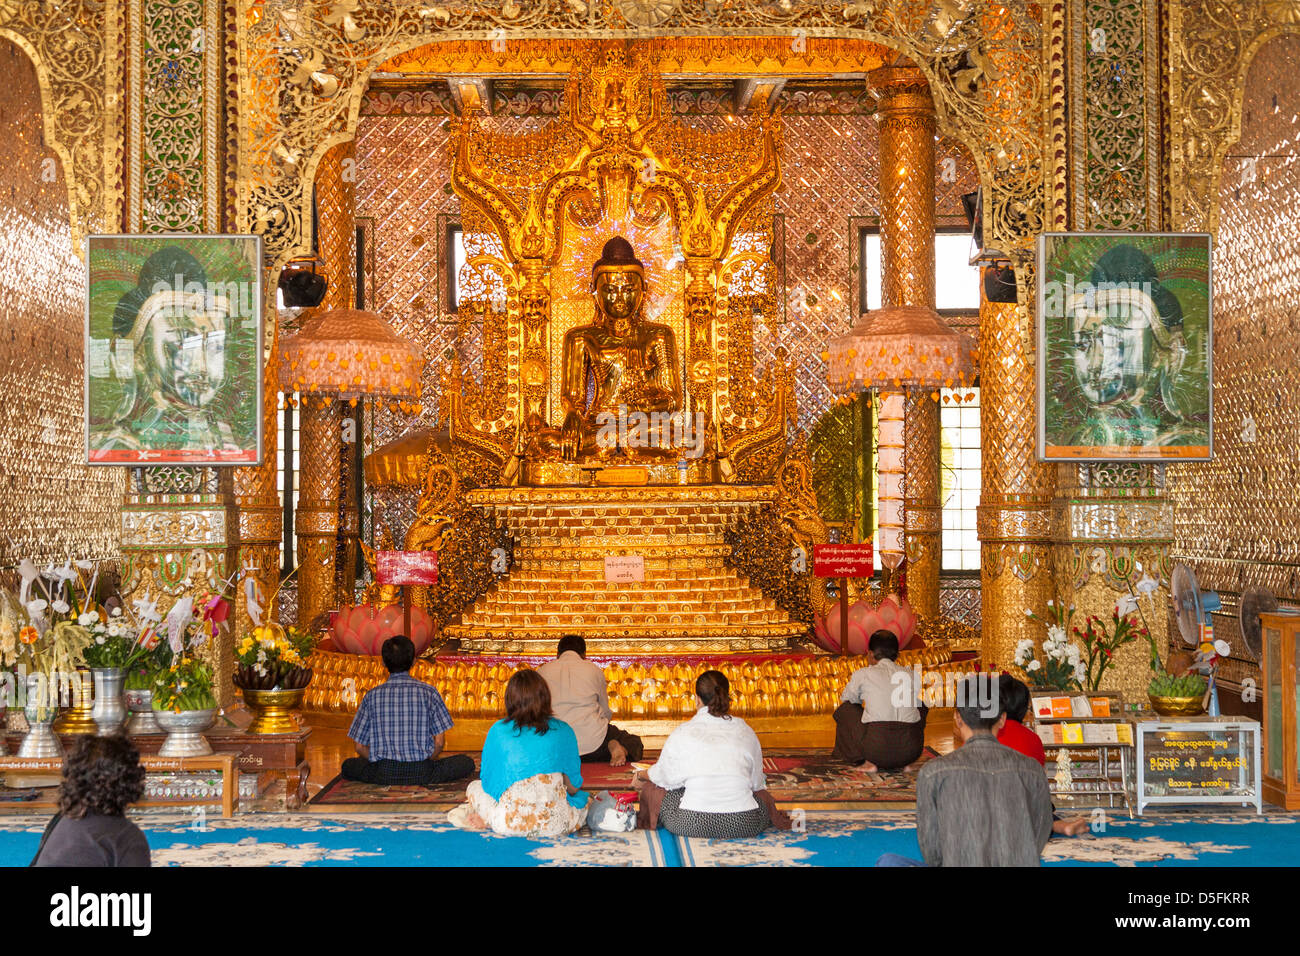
(709, 781)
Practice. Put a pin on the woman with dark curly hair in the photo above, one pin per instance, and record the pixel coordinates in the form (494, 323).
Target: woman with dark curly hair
(709, 780)
(100, 778)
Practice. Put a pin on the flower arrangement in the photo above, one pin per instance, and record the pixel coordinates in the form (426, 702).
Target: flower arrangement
(1102, 639)
(272, 657)
(1062, 666)
(116, 641)
(43, 634)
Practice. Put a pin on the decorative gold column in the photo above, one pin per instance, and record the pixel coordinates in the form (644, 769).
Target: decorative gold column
(906, 117)
(324, 507)
(701, 296)
(1015, 512)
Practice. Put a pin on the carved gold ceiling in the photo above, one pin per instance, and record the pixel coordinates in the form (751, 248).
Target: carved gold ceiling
(676, 56)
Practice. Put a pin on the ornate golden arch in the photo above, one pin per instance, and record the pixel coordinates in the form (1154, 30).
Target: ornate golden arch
(620, 157)
(72, 47)
(1213, 44)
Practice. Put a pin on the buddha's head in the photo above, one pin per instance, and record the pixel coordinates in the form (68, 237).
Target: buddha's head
(1127, 331)
(177, 329)
(618, 280)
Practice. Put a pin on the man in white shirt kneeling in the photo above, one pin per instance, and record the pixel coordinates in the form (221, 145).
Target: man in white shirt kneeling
(881, 722)
(580, 698)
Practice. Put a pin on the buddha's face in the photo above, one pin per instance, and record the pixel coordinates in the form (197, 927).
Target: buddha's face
(1115, 351)
(619, 293)
(187, 348)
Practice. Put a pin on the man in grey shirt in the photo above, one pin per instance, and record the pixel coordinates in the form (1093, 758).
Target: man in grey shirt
(984, 804)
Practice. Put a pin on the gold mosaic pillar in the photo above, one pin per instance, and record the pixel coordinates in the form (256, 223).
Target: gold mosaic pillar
(1015, 512)
(906, 117)
(324, 501)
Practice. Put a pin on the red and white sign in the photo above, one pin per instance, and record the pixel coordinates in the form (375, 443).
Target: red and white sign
(624, 568)
(407, 567)
(843, 560)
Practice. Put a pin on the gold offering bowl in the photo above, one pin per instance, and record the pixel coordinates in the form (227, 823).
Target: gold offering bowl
(1177, 706)
(272, 710)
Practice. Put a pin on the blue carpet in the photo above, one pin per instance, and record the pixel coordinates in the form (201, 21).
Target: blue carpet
(1185, 838)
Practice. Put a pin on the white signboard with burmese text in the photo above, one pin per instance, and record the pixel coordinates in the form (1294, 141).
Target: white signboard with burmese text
(624, 568)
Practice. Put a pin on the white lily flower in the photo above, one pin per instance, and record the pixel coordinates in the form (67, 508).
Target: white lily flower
(1126, 604)
(1148, 585)
(37, 607)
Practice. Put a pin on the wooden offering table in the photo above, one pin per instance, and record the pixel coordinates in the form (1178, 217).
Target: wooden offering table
(272, 757)
(224, 762)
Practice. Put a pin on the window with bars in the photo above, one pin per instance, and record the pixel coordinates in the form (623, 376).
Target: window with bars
(286, 460)
(959, 477)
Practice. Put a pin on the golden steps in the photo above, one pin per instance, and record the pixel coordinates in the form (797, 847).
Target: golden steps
(690, 599)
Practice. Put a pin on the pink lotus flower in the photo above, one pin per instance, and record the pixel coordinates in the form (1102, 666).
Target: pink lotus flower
(892, 614)
(364, 628)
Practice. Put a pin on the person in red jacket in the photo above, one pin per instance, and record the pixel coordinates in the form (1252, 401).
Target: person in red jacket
(1014, 699)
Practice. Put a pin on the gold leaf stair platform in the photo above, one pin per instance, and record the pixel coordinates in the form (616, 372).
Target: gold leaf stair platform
(689, 602)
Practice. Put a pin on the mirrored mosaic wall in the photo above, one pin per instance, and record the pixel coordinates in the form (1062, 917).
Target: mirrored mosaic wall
(51, 505)
(1237, 518)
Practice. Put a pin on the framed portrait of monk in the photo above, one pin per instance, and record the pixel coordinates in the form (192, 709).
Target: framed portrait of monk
(1125, 347)
(173, 350)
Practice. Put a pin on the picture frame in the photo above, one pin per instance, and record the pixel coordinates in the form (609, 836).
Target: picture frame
(1125, 347)
(174, 360)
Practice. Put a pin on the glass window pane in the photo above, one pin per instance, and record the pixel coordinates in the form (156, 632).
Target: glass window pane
(457, 262)
(871, 263)
(956, 281)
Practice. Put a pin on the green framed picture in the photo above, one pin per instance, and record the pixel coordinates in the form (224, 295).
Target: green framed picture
(173, 350)
(1125, 347)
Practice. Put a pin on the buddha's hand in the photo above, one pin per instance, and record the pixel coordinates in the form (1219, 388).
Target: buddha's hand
(570, 436)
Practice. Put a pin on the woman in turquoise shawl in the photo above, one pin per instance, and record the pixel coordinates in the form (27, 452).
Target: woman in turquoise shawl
(531, 777)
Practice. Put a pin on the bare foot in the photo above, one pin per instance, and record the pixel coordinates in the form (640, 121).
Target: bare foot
(867, 767)
(1071, 827)
(617, 754)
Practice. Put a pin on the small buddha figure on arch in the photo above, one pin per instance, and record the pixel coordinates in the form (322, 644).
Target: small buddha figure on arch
(621, 388)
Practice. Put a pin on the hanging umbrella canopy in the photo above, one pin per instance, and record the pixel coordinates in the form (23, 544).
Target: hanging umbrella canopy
(903, 346)
(350, 353)
(402, 462)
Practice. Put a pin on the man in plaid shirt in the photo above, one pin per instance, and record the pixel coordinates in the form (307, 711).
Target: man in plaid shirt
(400, 727)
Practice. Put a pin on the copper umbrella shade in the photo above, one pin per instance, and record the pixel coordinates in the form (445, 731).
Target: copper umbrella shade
(350, 354)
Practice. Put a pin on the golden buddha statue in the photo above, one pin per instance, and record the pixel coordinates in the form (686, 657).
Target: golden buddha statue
(621, 384)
